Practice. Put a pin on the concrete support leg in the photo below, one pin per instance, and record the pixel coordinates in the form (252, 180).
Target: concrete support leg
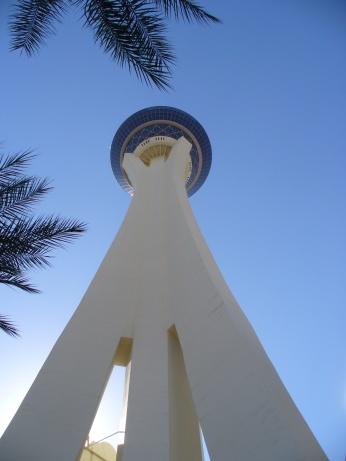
(185, 440)
(242, 405)
(59, 408)
(244, 410)
(147, 423)
(55, 417)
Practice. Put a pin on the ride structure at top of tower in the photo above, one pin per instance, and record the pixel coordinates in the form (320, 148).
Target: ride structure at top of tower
(151, 132)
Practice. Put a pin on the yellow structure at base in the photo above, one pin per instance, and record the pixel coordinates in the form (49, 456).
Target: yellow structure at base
(99, 452)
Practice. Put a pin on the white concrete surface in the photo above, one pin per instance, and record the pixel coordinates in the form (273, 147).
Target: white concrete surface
(157, 280)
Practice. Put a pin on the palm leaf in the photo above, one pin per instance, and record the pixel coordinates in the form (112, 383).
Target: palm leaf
(7, 326)
(33, 21)
(28, 242)
(13, 165)
(19, 195)
(17, 281)
(189, 10)
(132, 32)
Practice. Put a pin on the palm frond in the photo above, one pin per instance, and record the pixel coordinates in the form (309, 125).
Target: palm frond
(15, 259)
(17, 281)
(189, 10)
(7, 267)
(53, 231)
(27, 243)
(19, 195)
(8, 326)
(33, 21)
(13, 165)
(132, 32)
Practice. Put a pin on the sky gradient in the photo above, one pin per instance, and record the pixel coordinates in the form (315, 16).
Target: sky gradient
(269, 87)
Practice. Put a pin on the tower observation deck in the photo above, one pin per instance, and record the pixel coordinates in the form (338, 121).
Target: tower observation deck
(152, 132)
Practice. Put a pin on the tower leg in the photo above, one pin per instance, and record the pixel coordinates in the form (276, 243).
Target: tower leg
(147, 421)
(185, 439)
(55, 416)
(161, 420)
(243, 408)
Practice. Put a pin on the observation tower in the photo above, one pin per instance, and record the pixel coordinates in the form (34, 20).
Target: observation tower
(159, 305)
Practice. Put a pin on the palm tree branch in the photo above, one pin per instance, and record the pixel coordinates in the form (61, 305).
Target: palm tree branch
(8, 326)
(17, 197)
(189, 10)
(28, 242)
(13, 165)
(17, 281)
(147, 30)
(14, 261)
(133, 34)
(33, 21)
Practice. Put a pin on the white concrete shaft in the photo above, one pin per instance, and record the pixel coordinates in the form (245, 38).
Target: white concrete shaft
(158, 280)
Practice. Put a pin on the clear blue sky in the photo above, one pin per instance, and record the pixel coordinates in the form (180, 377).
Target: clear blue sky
(269, 86)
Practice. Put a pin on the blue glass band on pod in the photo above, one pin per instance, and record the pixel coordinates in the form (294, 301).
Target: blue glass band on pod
(162, 121)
